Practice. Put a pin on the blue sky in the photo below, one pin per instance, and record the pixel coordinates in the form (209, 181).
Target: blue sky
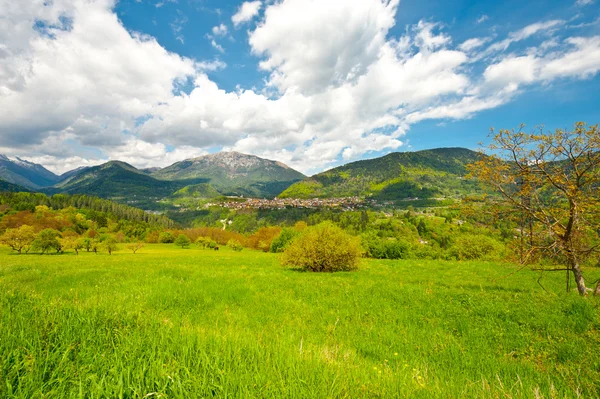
(310, 83)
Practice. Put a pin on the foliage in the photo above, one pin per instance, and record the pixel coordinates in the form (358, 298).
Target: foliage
(206, 243)
(110, 244)
(388, 248)
(475, 247)
(281, 242)
(135, 246)
(323, 248)
(551, 181)
(263, 238)
(18, 239)
(46, 240)
(182, 241)
(71, 242)
(235, 245)
(166, 237)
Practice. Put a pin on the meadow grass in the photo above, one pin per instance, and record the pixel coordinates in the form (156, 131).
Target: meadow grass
(185, 323)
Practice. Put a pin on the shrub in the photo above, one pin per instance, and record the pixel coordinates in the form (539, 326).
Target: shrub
(323, 248)
(283, 239)
(182, 241)
(206, 243)
(385, 248)
(235, 245)
(472, 247)
(166, 237)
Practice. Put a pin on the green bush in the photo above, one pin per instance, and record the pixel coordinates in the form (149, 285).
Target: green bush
(166, 237)
(385, 248)
(323, 248)
(283, 239)
(473, 247)
(235, 245)
(206, 243)
(182, 241)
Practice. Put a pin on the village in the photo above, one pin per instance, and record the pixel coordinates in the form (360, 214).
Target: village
(346, 203)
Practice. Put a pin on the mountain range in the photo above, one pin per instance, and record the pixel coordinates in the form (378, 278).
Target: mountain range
(399, 175)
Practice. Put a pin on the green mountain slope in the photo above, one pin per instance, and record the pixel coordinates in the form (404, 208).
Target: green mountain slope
(25, 173)
(396, 176)
(121, 182)
(232, 173)
(6, 186)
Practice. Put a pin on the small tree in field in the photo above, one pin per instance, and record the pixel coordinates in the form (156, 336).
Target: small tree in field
(71, 242)
(552, 180)
(182, 241)
(110, 244)
(18, 239)
(135, 246)
(323, 248)
(47, 239)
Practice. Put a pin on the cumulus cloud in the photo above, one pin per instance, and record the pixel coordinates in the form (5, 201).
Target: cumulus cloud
(219, 30)
(355, 32)
(71, 73)
(247, 11)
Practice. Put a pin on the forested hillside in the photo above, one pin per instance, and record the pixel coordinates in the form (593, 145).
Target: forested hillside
(400, 175)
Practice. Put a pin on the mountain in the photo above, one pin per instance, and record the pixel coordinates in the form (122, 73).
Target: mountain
(399, 175)
(25, 173)
(120, 182)
(70, 173)
(6, 186)
(232, 173)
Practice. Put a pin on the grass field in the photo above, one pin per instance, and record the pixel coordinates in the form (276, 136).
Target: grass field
(186, 323)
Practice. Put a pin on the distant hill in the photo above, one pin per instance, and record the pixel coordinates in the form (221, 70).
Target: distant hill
(202, 190)
(399, 175)
(232, 173)
(6, 186)
(119, 181)
(25, 173)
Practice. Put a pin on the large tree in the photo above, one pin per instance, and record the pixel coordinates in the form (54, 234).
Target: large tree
(19, 238)
(551, 180)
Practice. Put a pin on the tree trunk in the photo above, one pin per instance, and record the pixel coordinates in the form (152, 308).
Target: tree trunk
(578, 277)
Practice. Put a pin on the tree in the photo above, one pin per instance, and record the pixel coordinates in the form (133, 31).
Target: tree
(166, 237)
(110, 244)
(135, 246)
(71, 242)
(18, 239)
(551, 180)
(323, 248)
(47, 239)
(182, 241)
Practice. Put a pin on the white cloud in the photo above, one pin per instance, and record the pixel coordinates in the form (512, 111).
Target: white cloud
(247, 11)
(220, 30)
(217, 46)
(325, 100)
(482, 19)
(584, 2)
(472, 44)
(526, 32)
(343, 40)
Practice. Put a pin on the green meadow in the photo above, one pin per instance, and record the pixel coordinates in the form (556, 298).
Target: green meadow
(186, 323)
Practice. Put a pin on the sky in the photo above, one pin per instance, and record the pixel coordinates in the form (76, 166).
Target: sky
(311, 83)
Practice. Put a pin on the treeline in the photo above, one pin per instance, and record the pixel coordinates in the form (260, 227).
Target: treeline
(28, 201)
